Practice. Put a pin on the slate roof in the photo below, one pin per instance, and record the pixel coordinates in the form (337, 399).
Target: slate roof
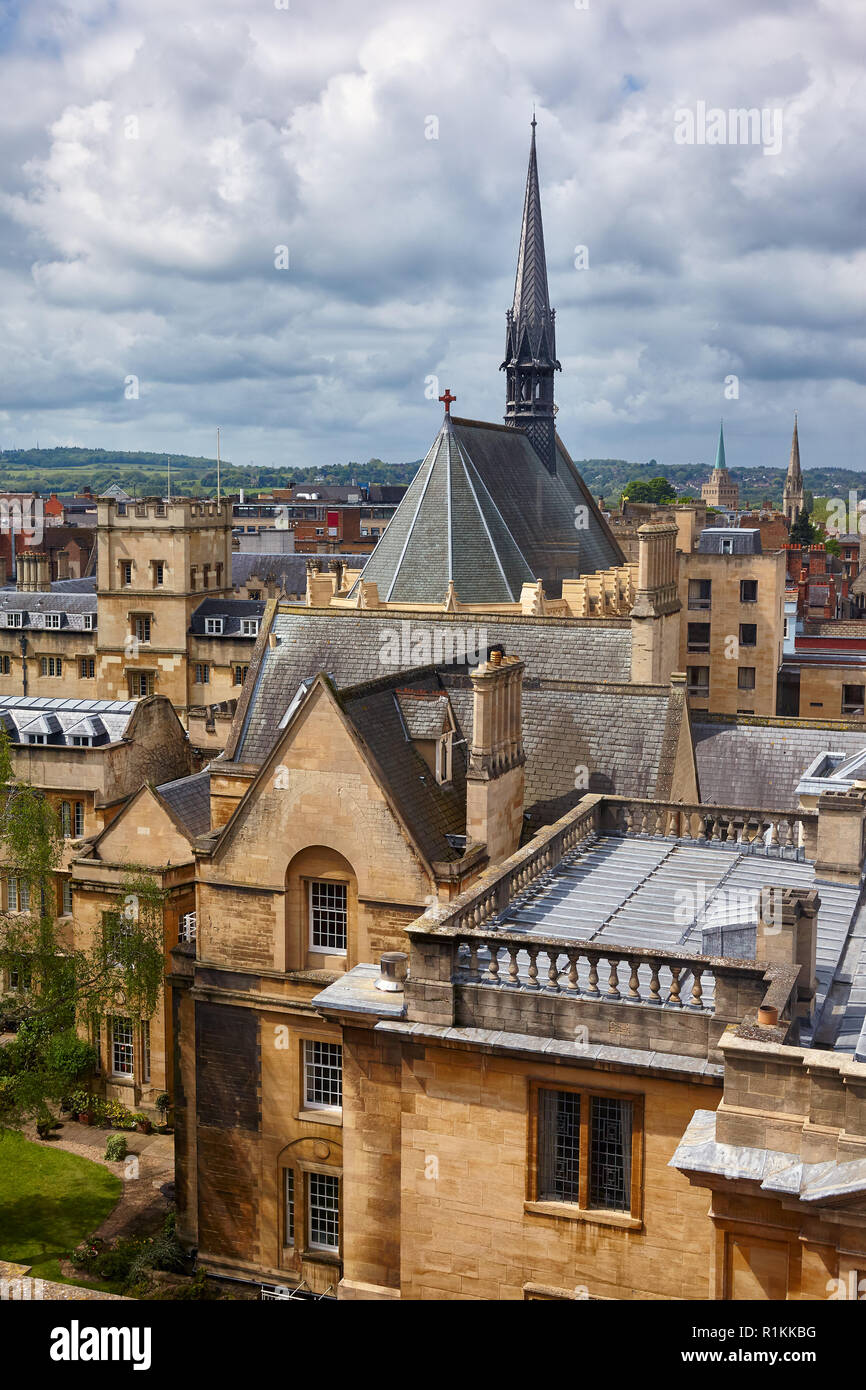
(616, 735)
(288, 571)
(761, 765)
(448, 528)
(424, 713)
(431, 811)
(103, 720)
(349, 645)
(539, 508)
(71, 606)
(85, 585)
(629, 892)
(189, 799)
(231, 610)
(619, 736)
(729, 540)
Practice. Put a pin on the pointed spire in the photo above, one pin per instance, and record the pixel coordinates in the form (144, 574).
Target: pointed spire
(531, 297)
(720, 448)
(795, 474)
(530, 344)
(792, 496)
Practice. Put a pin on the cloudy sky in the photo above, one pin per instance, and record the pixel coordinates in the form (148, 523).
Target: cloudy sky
(157, 155)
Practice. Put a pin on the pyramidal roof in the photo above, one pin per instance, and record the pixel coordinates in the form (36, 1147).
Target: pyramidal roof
(447, 530)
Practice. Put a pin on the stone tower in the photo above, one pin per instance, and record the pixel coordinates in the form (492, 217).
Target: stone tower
(721, 490)
(792, 497)
(530, 342)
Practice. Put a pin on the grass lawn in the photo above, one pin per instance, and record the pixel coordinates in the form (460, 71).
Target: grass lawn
(49, 1201)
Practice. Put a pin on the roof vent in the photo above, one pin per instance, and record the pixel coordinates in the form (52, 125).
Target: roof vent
(394, 966)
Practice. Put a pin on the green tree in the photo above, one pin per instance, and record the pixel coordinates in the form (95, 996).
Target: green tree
(802, 531)
(655, 490)
(63, 986)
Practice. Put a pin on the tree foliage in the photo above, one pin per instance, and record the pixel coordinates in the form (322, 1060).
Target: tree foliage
(802, 531)
(65, 986)
(655, 490)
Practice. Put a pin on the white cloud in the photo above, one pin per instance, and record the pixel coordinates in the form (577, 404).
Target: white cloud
(160, 154)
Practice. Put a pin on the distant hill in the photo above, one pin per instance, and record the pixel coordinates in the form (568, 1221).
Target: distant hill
(607, 478)
(67, 470)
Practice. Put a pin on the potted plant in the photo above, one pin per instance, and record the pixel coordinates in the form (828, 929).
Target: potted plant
(143, 1124)
(82, 1107)
(162, 1103)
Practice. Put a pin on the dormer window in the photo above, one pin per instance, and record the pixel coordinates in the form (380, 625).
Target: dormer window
(250, 627)
(14, 619)
(52, 620)
(213, 627)
(89, 622)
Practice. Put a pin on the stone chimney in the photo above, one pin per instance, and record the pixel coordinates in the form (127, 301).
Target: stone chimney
(839, 853)
(654, 620)
(321, 587)
(495, 779)
(788, 935)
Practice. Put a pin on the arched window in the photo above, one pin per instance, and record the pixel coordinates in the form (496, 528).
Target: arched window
(321, 910)
(65, 819)
(309, 1186)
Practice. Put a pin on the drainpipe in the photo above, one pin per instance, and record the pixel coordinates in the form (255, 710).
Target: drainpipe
(23, 641)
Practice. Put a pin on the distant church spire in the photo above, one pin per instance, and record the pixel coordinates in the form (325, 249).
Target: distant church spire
(720, 448)
(792, 498)
(530, 341)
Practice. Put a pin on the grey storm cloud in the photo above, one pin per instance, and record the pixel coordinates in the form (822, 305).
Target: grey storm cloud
(156, 157)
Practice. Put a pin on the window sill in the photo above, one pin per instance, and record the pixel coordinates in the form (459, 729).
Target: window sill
(321, 1117)
(570, 1212)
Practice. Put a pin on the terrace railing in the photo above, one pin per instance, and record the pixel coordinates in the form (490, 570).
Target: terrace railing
(781, 834)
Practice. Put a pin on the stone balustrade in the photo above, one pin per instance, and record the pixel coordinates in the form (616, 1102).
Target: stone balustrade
(783, 834)
(594, 972)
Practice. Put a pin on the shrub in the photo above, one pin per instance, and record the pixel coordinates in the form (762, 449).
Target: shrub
(115, 1148)
(84, 1255)
(69, 1056)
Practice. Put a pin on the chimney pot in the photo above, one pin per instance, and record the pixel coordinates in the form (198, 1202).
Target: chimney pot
(394, 968)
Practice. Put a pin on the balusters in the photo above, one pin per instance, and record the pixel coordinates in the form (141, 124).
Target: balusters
(654, 994)
(613, 979)
(593, 991)
(563, 966)
(633, 996)
(674, 997)
(552, 972)
(533, 968)
(697, 1002)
